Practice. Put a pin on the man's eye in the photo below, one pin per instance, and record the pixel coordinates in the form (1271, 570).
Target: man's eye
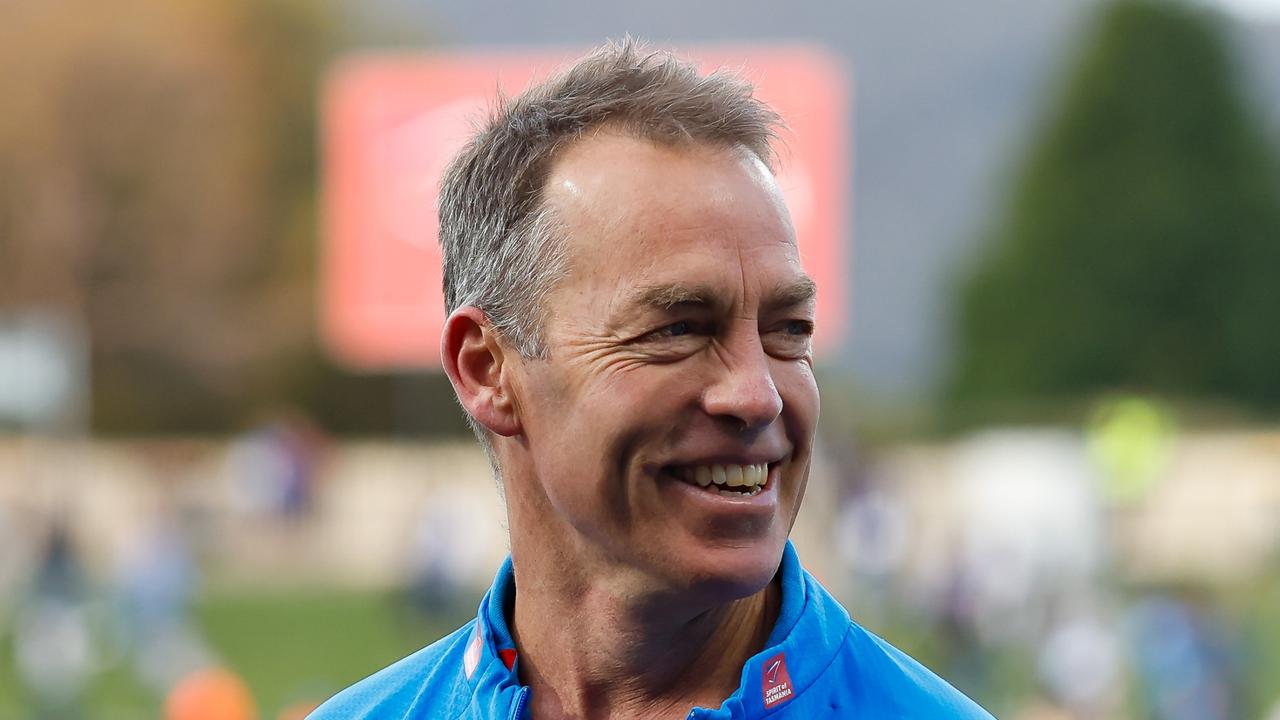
(678, 336)
(799, 327)
(790, 340)
(680, 328)
(676, 329)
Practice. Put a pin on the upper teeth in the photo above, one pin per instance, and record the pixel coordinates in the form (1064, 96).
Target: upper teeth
(727, 475)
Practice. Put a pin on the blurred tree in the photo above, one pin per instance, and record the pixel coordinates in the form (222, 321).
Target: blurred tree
(157, 184)
(1141, 249)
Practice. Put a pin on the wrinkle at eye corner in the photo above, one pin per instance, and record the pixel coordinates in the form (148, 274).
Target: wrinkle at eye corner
(608, 357)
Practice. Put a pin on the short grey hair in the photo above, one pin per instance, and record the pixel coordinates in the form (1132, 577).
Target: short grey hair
(501, 246)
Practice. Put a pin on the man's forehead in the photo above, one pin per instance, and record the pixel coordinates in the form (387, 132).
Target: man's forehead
(697, 224)
(610, 179)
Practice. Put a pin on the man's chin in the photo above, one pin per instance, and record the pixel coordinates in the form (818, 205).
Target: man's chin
(724, 574)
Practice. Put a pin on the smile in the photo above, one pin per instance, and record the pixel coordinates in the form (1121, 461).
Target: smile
(730, 480)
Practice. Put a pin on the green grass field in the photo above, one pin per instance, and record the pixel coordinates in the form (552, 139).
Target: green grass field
(288, 646)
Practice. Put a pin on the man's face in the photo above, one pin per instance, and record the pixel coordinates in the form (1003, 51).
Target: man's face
(670, 431)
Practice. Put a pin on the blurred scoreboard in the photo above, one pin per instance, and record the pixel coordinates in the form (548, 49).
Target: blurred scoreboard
(391, 124)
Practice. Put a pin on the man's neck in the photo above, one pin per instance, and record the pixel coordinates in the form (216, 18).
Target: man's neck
(591, 652)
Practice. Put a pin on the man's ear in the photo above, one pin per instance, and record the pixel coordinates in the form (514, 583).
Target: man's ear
(474, 357)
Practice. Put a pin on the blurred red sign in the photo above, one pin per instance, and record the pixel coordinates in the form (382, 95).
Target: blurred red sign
(391, 125)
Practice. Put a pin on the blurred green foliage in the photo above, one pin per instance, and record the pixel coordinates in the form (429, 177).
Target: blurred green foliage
(1141, 246)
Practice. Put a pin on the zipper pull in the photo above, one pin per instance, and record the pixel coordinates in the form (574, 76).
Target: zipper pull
(518, 712)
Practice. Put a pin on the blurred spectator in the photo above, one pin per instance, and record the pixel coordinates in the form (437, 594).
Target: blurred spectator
(441, 558)
(275, 465)
(1079, 663)
(1130, 441)
(10, 560)
(1185, 662)
(872, 531)
(156, 578)
(1031, 529)
(53, 638)
(967, 663)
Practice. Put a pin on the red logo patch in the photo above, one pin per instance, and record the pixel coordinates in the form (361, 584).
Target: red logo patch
(508, 657)
(775, 683)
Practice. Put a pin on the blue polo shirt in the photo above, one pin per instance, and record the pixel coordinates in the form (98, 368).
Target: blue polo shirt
(817, 663)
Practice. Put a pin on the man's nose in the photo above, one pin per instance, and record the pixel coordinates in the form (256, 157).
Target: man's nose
(743, 393)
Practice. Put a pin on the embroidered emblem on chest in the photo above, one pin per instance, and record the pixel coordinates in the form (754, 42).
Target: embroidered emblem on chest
(775, 683)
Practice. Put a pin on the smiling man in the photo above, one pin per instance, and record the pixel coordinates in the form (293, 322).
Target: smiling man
(630, 335)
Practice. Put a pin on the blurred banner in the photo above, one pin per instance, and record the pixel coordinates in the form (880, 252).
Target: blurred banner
(392, 123)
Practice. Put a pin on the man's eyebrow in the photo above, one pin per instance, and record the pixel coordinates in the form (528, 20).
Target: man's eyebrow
(665, 297)
(668, 296)
(796, 292)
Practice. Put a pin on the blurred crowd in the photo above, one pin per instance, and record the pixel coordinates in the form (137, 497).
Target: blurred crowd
(68, 623)
(1038, 599)
(1005, 560)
